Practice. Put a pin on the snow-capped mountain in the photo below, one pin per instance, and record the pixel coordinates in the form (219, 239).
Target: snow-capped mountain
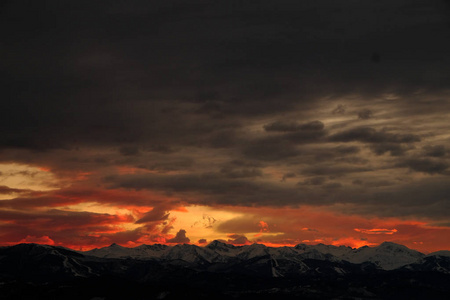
(223, 248)
(276, 262)
(303, 271)
(387, 256)
(191, 254)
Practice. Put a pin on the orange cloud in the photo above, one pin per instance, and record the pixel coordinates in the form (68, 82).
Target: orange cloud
(376, 231)
(264, 226)
(352, 242)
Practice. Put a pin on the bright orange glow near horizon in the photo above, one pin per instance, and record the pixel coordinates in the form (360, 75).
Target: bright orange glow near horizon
(82, 218)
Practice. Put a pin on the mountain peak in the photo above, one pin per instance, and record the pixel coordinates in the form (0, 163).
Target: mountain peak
(114, 245)
(257, 246)
(301, 246)
(387, 243)
(393, 246)
(216, 244)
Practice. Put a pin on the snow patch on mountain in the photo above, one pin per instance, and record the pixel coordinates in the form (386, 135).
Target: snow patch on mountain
(387, 256)
(252, 251)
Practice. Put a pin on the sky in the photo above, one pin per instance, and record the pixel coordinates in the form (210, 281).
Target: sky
(277, 122)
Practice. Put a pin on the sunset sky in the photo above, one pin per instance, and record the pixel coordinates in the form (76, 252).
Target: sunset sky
(277, 122)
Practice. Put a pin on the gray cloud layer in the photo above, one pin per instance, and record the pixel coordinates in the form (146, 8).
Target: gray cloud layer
(235, 102)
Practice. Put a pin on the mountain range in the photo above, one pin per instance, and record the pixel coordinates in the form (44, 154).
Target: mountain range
(221, 270)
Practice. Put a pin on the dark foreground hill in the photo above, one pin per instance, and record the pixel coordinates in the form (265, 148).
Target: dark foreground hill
(222, 271)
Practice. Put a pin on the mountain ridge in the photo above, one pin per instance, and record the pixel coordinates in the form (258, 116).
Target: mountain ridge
(386, 256)
(303, 271)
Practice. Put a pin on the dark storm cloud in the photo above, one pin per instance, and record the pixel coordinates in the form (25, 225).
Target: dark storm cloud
(7, 190)
(96, 73)
(379, 141)
(358, 182)
(395, 149)
(375, 184)
(310, 132)
(282, 126)
(178, 89)
(240, 172)
(180, 238)
(177, 183)
(214, 183)
(167, 164)
(283, 146)
(241, 169)
(215, 188)
(315, 181)
(288, 175)
(271, 149)
(155, 215)
(73, 195)
(340, 109)
(332, 185)
(340, 153)
(338, 170)
(371, 135)
(435, 151)
(60, 219)
(425, 165)
(418, 199)
(365, 114)
(236, 239)
(293, 126)
(31, 202)
(425, 198)
(346, 149)
(129, 150)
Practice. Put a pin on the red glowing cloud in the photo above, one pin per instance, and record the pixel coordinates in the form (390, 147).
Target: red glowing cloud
(376, 231)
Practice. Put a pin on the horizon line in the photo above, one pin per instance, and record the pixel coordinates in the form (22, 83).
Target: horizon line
(221, 241)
